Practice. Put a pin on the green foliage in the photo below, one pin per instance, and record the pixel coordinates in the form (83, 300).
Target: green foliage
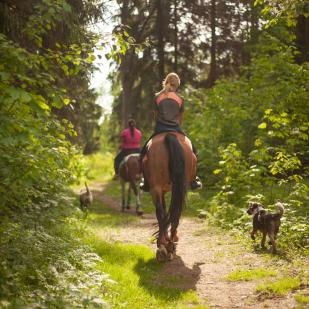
(302, 299)
(44, 263)
(251, 274)
(276, 10)
(251, 133)
(280, 287)
(36, 159)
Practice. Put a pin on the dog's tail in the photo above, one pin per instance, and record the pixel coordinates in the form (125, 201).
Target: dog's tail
(87, 189)
(280, 209)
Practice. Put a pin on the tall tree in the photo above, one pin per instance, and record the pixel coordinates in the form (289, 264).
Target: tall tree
(58, 33)
(200, 40)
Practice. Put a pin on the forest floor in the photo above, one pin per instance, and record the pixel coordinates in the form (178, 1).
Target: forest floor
(217, 269)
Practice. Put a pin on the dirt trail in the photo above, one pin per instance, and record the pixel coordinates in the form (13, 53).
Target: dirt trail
(205, 256)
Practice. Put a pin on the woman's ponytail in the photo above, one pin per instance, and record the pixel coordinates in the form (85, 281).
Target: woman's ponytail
(131, 124)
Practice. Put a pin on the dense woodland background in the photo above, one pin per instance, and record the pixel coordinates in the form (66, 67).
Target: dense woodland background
(245, 77)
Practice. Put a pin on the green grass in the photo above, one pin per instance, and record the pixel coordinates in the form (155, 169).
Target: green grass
(194, 202)
(136, 277)
(281, 287)
(251, 274)
(302, 299)
(136, 274)
(102, 216)
(113, 190)
(99, 168)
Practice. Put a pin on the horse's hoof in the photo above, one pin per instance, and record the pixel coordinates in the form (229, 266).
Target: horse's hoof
(176, 238)
(161, 254)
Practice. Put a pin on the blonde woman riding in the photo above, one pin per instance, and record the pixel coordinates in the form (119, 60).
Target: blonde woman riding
(169, 111)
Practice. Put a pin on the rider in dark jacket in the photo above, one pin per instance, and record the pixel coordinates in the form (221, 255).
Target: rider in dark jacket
(169, 111)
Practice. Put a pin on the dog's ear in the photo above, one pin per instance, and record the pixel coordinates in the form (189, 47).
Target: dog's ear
(250, 204)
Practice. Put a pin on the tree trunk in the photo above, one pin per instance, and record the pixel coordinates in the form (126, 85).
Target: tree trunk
(160, 34)
(124, 71)
(213, 49)
(175, 37)
(302, 38)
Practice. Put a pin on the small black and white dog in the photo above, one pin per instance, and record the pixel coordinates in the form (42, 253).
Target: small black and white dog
(85, 199)
(265, 222)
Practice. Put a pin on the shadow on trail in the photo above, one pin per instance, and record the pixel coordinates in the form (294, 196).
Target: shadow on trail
(167, 281)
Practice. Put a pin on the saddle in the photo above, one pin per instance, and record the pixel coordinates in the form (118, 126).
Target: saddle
(159, 138)
(126, 158)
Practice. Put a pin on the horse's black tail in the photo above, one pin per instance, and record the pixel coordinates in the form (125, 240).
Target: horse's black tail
(177, 174)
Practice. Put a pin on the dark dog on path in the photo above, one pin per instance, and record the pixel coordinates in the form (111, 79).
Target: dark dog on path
(265, 222)
(85, 199)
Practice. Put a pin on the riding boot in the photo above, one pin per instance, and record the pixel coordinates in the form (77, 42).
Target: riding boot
(196, 184)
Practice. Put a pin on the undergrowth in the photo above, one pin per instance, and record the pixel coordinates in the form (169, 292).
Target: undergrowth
(44, 263)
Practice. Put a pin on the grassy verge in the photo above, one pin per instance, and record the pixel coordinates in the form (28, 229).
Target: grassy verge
(251, 274)
(134, 271)
(281, 287)
(302, 299)
(44, 262)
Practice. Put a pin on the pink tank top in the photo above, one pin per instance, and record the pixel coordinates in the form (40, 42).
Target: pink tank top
(129, 142)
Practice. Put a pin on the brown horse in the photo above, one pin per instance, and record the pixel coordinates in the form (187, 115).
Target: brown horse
(130, 171)
(169, 165)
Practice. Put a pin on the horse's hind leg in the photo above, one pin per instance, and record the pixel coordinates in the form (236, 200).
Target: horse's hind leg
(129, 197)
(174, 236)
(161, 253)
(165, 215)
(171, 246)
(139, 210)
(137, 193)
(161, 217)
(122, 194)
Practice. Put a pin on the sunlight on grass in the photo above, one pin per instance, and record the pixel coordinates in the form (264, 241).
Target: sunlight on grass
(99, 166)
(135, 271)
(280, 287)
(113, 190)
(102, 216)
(251, 274)
(303, 299)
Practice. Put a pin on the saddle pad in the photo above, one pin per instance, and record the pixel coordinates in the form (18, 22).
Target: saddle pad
(159, 137)
(126, 158)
